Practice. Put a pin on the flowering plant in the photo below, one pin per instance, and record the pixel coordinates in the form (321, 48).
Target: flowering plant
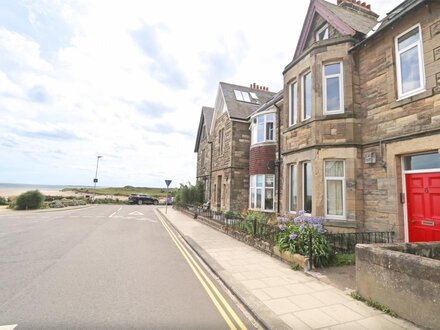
(295, 230)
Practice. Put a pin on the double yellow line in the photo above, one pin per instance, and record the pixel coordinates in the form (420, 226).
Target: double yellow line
(217, 298)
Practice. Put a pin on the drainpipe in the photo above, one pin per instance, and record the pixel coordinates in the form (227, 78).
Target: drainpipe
(210, 171)
(279, 158)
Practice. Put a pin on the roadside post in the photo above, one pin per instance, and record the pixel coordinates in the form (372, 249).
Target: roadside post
(95, 180)
(167, 182)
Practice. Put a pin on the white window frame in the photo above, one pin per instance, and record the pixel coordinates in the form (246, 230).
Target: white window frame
(253, 185)
(244, 96)
(341, 88)
(303, 91)
(254, 128)
(303, 185)
(293, 111)
(419, 45)
(295, 176)
(324, 27)
(327, 178)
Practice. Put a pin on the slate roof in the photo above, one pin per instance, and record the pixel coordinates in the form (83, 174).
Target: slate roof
(275, 99)
(349, 22)
(205, 117)
(240, 109)
(391, 17)
(358, 22)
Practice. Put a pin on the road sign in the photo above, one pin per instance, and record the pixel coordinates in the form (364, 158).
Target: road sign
(95, 180)
(168, 182)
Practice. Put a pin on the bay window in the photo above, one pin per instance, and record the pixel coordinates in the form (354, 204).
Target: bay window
(334, 171)
(261, 194)
(333, 88)
(293, 197)
(409, 62)
(293, 103)
(307, 187)
(262, 128)
(307, 96)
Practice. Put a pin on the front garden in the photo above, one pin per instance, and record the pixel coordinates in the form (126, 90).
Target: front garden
(290, 234)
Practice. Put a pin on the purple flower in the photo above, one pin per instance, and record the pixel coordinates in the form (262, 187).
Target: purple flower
(293, 236)
(282, 227)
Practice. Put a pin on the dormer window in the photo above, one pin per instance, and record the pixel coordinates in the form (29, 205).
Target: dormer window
(322, 33)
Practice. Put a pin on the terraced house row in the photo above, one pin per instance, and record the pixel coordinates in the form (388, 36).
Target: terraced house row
(354, 135)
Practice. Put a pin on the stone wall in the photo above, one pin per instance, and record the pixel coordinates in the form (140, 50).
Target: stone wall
(407, 283)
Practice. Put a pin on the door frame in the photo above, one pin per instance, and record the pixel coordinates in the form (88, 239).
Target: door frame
(404, 173)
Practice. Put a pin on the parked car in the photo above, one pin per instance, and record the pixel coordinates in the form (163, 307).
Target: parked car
(142, 199)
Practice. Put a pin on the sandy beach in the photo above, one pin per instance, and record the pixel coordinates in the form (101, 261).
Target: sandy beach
(8, 192)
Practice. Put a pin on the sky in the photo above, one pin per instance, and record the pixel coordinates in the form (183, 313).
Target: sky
(127, 80)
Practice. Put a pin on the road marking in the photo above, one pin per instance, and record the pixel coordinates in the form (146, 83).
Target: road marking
(204, 279)
(111, 215)
(135, 213)
(8, 327)
(119, 209)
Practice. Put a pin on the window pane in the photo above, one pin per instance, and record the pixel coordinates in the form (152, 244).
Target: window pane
(246, 96)
(294, 102)
(258, 204)
(408, 39)
(293, 188)
(268, 199)
(335, 197)
(332, 69)
(422, 162)
(307, 96)
(269, 131)
(334, 168)
(254, 133)
(332, 94)
(238, 95)
(252, 198)
(269, 117)
(260, 136)
(409, 66)
(307, 194)
(259, 179)
(269, 181)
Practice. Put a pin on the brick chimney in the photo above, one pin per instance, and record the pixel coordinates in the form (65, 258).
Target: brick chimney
(358, 7)
(260, 88)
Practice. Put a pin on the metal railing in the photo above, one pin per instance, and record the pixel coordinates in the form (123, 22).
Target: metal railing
(340, 242)
(346, 242)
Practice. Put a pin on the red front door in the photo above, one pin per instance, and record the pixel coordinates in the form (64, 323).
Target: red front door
(423, 197)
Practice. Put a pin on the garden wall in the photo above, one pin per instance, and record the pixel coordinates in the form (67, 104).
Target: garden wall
(404, 277)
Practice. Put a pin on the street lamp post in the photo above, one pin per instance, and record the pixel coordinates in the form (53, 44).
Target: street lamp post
(95, 180)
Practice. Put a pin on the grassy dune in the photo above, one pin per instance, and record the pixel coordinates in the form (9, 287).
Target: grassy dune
(123, 191)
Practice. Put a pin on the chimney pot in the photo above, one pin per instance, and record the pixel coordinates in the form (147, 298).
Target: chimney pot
(368, 7)
(358, 3)
(363, 4)
(339, 2)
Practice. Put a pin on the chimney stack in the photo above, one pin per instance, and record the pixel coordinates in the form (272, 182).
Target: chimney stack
(359, 7)
(258, 87)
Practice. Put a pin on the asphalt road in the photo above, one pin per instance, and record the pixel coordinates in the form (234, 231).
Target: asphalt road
(105, 267)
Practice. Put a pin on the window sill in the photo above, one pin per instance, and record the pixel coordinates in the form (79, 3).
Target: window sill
(261, 210)
(408, 99)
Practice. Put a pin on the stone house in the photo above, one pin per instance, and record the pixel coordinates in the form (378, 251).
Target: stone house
(223, 154)
(264, 156)
(203, 149)
(360, 134)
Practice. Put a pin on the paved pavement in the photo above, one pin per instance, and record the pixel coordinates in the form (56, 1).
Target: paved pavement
(280, 297)
(105, 267)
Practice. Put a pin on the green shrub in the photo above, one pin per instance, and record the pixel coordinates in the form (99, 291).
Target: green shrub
(56, 204)
(3, 201)
(189, 194)
(232, 215)
(344, 259)
(29, 200)
(294, 237)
